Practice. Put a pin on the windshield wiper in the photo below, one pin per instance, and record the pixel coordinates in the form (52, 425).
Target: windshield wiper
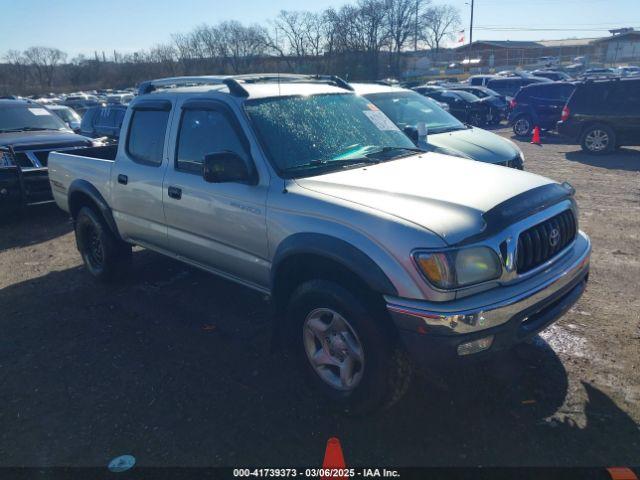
(26, 129)
(387, 149)
(327, 163)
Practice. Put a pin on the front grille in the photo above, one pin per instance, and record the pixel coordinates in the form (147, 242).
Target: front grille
(543, 241)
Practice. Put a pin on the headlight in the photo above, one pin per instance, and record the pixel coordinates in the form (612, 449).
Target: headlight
(459, 268)
(517, 148)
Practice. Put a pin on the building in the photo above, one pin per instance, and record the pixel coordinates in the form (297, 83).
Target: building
(622, 46)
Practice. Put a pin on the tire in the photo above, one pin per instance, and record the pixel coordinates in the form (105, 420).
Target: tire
(598, 139)
(523, 126)
(381, 371)
(104, 255)
(476, 119)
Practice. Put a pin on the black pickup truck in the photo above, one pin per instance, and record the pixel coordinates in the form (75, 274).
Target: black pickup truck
(28, 132)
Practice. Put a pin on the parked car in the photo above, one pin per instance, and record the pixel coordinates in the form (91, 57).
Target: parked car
(446, 134)
(479, 80)
(81, 103)
(498, 104)
(28, 132)
(119, 98)
(103, 121)
(509, 86)
(373, 254)
(555, 75)
(548, 61)
(67, 115)
(538, 104)
(629, 71)
(602, 115)
(466, 107)
(598, 72)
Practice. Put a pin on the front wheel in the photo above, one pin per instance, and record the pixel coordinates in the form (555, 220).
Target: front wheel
(105, 256)
(476, 119)
(523, 126)
(598, 139)
(346, 348)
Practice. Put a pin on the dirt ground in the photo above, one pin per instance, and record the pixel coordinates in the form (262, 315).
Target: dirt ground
(173, 366)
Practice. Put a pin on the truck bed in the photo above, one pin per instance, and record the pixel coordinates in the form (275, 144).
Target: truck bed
(91, 164)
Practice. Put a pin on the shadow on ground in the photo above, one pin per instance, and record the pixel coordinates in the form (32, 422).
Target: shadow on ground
(621, 159)
(173, 366)
(37, 224)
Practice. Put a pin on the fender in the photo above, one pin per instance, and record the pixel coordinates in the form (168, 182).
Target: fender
(92, 192)
(339, 251)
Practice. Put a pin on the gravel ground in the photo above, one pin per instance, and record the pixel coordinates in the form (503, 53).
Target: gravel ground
(173, 366)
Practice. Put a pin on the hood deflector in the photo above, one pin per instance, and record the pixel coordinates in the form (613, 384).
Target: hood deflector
(521, 206)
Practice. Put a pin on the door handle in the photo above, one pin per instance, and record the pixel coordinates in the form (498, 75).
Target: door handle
(123, 179)
(175, 192)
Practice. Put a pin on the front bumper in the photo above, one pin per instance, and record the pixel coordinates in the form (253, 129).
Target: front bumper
(432, 336)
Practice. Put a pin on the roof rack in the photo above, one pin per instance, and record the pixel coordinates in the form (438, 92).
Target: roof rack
(234, 83)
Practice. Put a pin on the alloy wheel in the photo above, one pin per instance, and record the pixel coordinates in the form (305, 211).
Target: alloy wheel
(596, 140)
(333, 349)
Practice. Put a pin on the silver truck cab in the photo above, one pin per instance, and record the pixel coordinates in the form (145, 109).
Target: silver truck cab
(376, 256)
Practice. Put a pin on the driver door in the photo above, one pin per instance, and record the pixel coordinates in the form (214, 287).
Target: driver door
(219, 226)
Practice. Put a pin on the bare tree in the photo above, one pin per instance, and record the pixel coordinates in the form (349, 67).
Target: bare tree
(403, 19)
(18, 67)
(44, 60)
(440, 22)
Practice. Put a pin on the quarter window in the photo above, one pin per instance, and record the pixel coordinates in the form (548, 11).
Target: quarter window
(146, 136)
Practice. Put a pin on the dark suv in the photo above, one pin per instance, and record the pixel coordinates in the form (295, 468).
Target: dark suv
(509, 86)
(539, 104)
(103, 121)
(603, 114)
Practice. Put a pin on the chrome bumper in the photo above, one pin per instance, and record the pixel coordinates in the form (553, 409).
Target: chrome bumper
(446, 319)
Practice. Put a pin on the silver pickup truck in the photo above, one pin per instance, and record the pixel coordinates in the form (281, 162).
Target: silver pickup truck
(376, 257)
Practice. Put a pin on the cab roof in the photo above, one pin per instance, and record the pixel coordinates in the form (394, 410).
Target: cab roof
(249, 86)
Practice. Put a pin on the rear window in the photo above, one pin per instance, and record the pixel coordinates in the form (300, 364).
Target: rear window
(145, 143)
(553, 92)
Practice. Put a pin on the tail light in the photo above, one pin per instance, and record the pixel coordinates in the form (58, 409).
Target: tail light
(512, 103)
(565, 114)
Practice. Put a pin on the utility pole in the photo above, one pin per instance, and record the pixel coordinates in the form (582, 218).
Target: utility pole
(415, 38)
(471, 26)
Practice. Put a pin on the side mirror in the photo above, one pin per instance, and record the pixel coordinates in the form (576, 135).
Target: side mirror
(225, 167)
(412, 133)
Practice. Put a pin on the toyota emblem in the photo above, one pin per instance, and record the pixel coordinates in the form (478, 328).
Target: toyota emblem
(554, 237)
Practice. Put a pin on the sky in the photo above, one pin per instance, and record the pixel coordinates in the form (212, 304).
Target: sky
(84, 26)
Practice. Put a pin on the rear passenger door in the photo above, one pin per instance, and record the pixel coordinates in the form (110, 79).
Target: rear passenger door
(220, 226)
(137, 175)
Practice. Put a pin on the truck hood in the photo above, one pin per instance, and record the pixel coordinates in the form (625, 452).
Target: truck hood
(46, 139)
(446, 195)
(478, 144)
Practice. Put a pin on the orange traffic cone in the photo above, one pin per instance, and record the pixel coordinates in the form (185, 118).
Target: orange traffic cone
(333, 459)
(535, 140)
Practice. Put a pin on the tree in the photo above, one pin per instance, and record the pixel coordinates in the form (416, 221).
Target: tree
(440, 22)
(403, 19)
(44, 60)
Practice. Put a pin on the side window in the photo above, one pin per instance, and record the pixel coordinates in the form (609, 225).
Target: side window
(145, 141)
(203, 132)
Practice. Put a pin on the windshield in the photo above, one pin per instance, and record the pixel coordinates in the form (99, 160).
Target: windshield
(407, 109)
(67, 114)
(328, 131)
(469, 97)
(28, 117)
